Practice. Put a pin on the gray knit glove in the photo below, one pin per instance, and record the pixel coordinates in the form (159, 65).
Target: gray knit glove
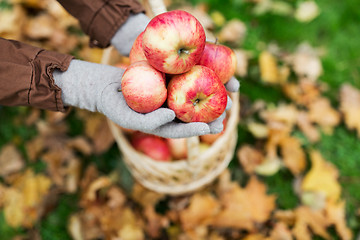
(95, 87)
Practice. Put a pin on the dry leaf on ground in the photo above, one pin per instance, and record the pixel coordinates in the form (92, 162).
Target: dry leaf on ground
(306, 219)
(350, 106)
(322, 177)
(245, 208)
(11, 160)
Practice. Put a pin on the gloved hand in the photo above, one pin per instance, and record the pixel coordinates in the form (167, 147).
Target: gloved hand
(95, 87)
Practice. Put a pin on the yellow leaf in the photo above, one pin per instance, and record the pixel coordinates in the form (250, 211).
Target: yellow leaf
(322, 177)
(268, 68)
(14, 207)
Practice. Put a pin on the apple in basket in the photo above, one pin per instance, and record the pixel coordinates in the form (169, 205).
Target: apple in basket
(143, 87)
(178, 147)
(173, 42)
(197, 95)
(153, 146)
(136, 52)
(221, 59)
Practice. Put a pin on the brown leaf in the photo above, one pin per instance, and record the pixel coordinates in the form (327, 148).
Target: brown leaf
(97, 129)
(350, 106)
(154, 222)
(145, 196)
(249, 158)
(336, 215)
(293, 155)
(309, 129)
(11, 160)
(40, 26)
(241, 62)
(81, 144)
(322, 113)
(233, 31)
(303, 92)
(201, 211)
(306, 62)
(306, 219)
(35, 147)
(245, 207)
(280, 232)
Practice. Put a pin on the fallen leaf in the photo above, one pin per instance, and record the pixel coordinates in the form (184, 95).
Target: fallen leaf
(335, 213)
(306, 63)
(270, 166)
(269, 68)
(258, 130)
(23, 200)
(322, 177)
(242, 60)
(40, 27)
(307, 127)
(306, 219)
(293, 155)
(322, 113)
(249, 158)
(233, 31)
(280, 232)
(302, 92)
(201, 211)
(244, 208)
(306, 11)
(11, 160)
(350, 106)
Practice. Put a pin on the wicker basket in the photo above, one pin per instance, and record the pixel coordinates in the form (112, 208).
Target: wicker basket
(180, 176)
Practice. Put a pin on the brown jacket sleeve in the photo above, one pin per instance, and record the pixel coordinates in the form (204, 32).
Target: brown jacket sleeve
(100, 19)
(26, 75)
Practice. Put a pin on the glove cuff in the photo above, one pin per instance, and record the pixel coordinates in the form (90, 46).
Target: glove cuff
(125, 37)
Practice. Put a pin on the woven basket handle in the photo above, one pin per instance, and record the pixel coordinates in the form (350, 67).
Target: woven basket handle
(158, 7)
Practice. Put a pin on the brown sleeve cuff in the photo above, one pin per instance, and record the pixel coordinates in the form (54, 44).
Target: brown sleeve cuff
(43, 92)
(26, 76)
(100, 19)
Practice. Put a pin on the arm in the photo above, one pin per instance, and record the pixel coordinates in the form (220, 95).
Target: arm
(100, 19)
(26, 75)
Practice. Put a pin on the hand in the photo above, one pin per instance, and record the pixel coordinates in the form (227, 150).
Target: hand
(126, 35)
(95, 87)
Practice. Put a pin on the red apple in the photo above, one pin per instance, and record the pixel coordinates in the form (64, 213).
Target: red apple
(211, 138)
(221, 59)
(178, 147)
(153, 146)
(143, 87)
(136, 52)
(197, 95)
(173, 42)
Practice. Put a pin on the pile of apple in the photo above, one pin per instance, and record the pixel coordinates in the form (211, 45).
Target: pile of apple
(172, 65)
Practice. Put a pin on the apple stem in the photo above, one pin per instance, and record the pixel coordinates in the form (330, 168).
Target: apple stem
(182, 51)
(196, 102)
(216, 40)
(119, 90)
